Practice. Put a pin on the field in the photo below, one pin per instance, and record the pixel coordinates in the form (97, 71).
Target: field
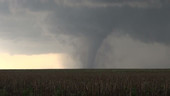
(85, 82)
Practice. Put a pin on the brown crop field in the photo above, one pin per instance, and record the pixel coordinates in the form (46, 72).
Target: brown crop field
(85, 82)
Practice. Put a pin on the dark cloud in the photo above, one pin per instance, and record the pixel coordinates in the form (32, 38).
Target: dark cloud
(92, 20)
(4, 9)
(39, 5)
(111, 3)
(147, 25)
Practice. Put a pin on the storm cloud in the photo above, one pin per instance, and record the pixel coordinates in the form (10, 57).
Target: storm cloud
(81, 28)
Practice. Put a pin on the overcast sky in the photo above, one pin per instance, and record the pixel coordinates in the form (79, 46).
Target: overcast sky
(84, 34)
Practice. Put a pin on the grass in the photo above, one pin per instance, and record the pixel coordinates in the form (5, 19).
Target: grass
(85, 82)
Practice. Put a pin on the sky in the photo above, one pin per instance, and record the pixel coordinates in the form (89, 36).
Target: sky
(64, 34)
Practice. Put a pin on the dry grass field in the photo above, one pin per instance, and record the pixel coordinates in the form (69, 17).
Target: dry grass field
(85, 82)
